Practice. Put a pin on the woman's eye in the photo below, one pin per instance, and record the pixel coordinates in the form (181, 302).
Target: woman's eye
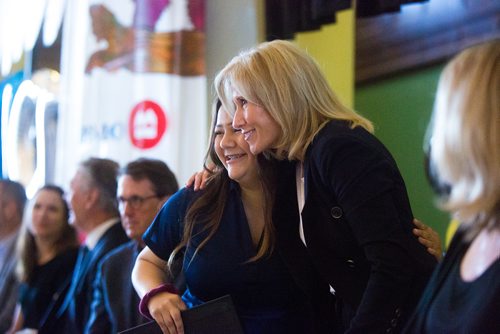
(53, 209)
(218, 133)
(242, 101)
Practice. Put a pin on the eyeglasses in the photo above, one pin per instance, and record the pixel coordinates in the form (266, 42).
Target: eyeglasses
(135, 202)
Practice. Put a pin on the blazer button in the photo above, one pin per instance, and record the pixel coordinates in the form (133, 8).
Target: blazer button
(351, 264)
(336, 212)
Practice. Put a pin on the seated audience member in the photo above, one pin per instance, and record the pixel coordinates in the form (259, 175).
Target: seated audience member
(463, 295)
(95, 212)
(47, 249)
(12, 201)
(144, 185)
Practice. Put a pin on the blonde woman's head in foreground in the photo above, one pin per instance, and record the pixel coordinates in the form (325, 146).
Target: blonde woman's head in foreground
(466, 135)
(287, 83)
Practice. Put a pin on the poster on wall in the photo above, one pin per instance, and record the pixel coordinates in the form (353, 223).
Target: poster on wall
(133, 84)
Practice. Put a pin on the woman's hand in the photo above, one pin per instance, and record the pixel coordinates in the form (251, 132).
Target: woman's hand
(165, 308)
(429, 238)
(198, 179)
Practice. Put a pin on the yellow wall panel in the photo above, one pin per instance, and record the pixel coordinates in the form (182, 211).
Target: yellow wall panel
(333, 49)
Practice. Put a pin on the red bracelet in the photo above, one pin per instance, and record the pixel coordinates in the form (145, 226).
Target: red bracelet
(143, 305)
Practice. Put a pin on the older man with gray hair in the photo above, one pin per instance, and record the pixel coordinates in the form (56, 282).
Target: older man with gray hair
(95, 213)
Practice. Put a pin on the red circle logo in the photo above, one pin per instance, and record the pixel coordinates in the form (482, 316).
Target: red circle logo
(147, 124)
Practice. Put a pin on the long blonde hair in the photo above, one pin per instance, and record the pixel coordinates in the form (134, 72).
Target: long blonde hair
(289, 84)
(466, 135)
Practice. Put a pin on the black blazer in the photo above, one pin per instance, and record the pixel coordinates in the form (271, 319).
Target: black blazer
(357, 223)
(115, 306)
(73, 313)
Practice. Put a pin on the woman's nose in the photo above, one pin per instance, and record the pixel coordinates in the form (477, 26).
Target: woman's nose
(43, 212)
(227, 140)
(238, 119)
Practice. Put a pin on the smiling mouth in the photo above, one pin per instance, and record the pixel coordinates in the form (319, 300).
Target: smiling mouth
(232, 157)
(248, 134)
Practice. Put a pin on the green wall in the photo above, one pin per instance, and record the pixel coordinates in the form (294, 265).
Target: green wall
(400, 108)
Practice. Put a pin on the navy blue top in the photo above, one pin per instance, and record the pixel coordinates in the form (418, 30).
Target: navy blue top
(266, 298)
(49, 281)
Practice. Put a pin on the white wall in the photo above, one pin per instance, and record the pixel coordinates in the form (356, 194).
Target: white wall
(231, 26)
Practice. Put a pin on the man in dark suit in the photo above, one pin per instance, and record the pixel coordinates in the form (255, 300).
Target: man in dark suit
(95, 212)
(143, 187)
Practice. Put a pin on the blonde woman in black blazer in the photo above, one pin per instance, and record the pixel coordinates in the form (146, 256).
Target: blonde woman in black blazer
(356, 220)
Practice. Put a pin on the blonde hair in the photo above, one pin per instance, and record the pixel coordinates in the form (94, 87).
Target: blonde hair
(289, 84)
(466, 135)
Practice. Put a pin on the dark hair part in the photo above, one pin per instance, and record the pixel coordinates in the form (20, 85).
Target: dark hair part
(14, 191)
(102, 175)
(163, 179)
(26, 246)
(207, 208)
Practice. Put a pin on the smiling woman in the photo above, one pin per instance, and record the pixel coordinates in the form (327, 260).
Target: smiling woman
(340, 194)
(233, 151)
(258, 127)
(225, 232)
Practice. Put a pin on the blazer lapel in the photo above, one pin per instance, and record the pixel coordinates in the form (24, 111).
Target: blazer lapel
(83, 266)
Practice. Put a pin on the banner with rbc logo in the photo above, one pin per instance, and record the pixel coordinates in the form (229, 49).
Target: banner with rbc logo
(133, 84)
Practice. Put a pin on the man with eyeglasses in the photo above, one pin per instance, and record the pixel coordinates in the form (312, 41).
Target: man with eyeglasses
(144, 185)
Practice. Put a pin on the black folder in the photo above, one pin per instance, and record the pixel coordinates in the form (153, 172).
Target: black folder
(215, 316)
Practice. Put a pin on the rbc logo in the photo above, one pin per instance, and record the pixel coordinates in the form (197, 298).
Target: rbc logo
(147, 124)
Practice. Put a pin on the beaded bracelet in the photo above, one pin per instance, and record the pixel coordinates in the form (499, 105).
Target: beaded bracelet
(143, 305)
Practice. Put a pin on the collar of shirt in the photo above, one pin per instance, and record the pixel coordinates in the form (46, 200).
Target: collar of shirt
(8, 240)
(96, 234)
(7, 248)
